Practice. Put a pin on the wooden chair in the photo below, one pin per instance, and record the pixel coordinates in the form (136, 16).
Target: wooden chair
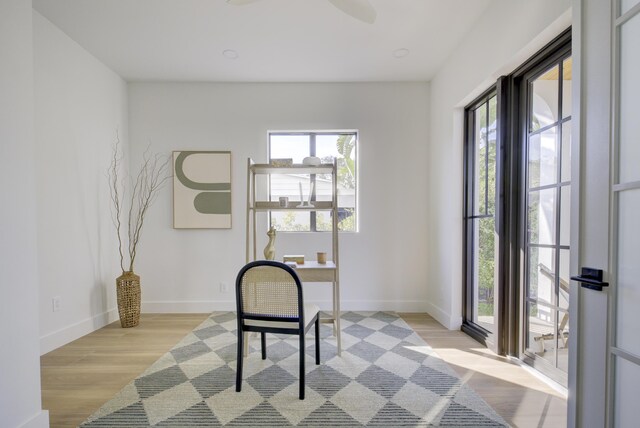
(269, 300)
(562, 335)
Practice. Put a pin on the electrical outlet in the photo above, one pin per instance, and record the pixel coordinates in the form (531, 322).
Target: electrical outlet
(55, 303)
(224, 287)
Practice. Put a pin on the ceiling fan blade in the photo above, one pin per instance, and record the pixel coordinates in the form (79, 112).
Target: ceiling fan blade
(359, 9)
(241, 2)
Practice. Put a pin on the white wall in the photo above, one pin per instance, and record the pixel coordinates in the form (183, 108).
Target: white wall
(383, 265)
(504, 37)
(20, 403)
(79, 105)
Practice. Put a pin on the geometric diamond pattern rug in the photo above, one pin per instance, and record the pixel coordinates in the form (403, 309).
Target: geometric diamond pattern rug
(387, 376)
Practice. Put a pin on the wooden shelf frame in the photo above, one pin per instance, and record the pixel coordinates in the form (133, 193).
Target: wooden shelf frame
(292, 206)
(310, 271)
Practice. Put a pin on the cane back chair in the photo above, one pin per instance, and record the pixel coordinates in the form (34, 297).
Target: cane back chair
(269, 300)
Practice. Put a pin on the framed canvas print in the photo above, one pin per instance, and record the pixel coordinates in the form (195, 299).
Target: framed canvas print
(201, 190)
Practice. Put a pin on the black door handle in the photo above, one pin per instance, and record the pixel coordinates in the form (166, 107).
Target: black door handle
(591, 278)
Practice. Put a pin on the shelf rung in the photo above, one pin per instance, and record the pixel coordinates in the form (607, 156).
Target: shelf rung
(293, 205)
(264, 168)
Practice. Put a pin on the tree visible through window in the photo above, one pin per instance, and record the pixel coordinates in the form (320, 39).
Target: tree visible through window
(341, 146)
(480, 216)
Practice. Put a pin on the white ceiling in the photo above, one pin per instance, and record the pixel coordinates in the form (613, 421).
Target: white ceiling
(276, 40)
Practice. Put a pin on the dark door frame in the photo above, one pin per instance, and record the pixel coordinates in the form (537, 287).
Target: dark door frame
(554, 52)
(512, 115)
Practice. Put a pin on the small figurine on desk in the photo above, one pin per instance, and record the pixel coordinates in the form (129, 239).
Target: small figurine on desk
(270, 249)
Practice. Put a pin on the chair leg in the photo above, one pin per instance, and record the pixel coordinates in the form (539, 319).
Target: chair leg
(240, 360)
(302, 358)
(263, 343)
(318, 341)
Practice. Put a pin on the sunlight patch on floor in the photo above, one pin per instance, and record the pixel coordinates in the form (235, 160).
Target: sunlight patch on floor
(495, 367)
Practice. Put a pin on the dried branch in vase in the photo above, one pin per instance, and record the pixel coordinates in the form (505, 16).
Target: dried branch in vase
(153, 174)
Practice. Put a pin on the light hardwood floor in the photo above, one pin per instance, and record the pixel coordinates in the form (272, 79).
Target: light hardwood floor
(82, 375)
(521, 398)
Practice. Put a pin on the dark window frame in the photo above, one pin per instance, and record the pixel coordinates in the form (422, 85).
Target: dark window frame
(512, 128)
(497, 340)
(556, 51)
(469, 210)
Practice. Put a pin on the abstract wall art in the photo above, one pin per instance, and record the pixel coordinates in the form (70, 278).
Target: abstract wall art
(201, 190)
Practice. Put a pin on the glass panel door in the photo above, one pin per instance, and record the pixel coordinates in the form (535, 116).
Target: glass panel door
(547, 201)
(480, 218)
(624, 369)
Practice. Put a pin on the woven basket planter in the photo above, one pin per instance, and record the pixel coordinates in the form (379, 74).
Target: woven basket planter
(128, 291)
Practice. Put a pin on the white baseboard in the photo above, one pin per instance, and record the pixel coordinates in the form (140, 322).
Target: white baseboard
(41, 420)
(53, 340)
(187, 306)
(444, 318)
(455, 323)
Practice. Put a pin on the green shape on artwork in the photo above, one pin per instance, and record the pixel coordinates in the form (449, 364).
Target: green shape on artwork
(213, 202)
(194, 184)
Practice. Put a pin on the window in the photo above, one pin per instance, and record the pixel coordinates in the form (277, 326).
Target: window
(480, 214)
(517, 212)
(341, 146)
(547, 195)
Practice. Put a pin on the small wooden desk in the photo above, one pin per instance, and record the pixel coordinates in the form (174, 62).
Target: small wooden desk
(312, 271)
